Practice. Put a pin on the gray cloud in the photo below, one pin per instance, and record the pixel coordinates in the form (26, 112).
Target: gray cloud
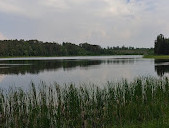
(103, 22)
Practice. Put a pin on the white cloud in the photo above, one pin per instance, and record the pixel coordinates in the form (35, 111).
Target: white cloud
(116, 7)
(9, 6)
(59, 5)
(2, 37)
(112, 22)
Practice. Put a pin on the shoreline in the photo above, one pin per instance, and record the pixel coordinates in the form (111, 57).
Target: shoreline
(61, 57)
(70, 56)
(156, 56)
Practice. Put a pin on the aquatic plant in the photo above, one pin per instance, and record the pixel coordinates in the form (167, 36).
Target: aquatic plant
(116, 104)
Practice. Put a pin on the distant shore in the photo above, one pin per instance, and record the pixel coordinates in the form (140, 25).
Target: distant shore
(156, 56)
(68, 56)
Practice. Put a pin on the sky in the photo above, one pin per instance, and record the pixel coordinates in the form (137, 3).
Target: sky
(103, 22)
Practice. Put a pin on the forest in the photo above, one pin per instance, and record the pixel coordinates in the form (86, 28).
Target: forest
(39, 48)
(161, 45)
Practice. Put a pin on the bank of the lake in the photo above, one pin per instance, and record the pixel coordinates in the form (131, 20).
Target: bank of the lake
(156, 56)
(142, 102)
(71, 56)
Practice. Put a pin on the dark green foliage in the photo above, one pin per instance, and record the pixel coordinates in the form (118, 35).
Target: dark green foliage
(28, 48)
(161, 45)
(92, 49)
(39, 48)
(123, 104)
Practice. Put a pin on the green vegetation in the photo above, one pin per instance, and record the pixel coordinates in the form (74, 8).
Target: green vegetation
(161, 45)
(161, 48)
(141, 103)
(13, 48)
(156, 56)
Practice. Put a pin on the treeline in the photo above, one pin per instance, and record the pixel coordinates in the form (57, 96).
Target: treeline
(161, 45)
(39, 48)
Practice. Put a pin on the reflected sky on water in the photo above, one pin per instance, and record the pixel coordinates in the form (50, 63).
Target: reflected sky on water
(20, 72)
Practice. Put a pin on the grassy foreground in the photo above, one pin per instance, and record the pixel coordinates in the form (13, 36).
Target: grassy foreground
(156, 56)
(144, 102)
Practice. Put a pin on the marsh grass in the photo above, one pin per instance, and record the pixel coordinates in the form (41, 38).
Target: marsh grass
(143, 101)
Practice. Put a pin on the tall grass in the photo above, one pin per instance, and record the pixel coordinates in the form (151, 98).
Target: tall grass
(114, 105)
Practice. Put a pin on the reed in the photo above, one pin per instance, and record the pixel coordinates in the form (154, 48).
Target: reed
(142, 102)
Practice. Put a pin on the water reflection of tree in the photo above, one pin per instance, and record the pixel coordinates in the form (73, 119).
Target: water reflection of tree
(121, 61)
(37, 66)
(161, 67)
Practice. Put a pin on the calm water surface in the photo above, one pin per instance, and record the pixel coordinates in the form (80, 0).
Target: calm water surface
(20, 72)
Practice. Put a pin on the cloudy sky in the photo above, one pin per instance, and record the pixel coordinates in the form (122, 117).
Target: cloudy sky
(103, 22)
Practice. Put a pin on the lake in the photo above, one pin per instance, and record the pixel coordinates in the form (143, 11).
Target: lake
(20, 72)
